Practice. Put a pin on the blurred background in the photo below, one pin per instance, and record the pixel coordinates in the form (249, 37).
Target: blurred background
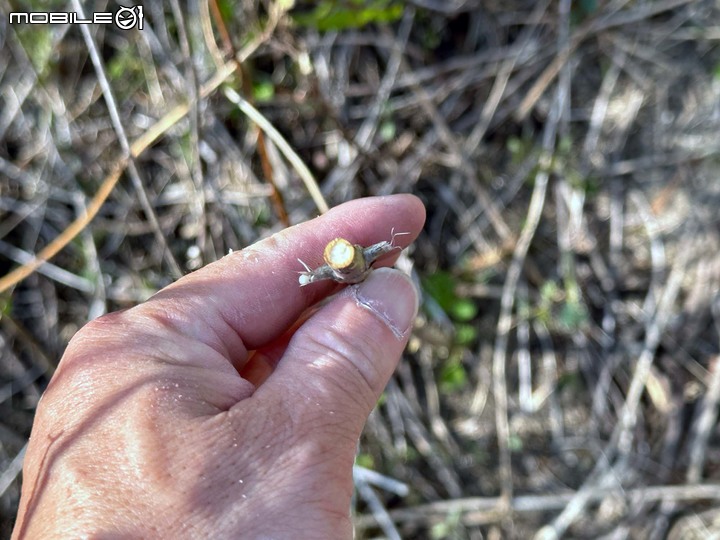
(562, 379)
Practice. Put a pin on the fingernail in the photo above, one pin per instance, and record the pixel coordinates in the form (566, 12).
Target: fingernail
(391, 296)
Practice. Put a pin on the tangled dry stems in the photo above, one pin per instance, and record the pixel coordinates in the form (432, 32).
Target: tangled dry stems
(568, 160)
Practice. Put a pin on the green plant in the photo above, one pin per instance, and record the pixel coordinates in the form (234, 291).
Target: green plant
(451, 528)
(263, 90)
(335, 15)
(37, 42)
(453, 376)
(441, 286)
(562, 309)
(365, 460)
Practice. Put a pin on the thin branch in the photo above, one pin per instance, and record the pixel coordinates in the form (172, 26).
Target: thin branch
(507, 302)
(125, 145)
(284, 147)
(9, 475)
(704, 426)
(476, 511)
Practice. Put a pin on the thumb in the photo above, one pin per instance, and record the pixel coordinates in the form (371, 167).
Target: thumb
(339, 361)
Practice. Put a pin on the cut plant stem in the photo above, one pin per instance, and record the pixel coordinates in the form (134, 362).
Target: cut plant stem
(345, 258)
(346, 262)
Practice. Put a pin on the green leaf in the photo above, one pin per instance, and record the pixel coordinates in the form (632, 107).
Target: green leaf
(365, 460)
(387, 130)
(5, 305)
(463, 310)
(37, 42)
(263, 91)
(453, 377)
(573, 316)
(465, 334)
(448, 529)
(441, 286)
(125, 65)
(227, 9)
(334, 15)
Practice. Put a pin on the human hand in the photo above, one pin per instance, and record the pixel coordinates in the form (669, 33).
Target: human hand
(218, 408)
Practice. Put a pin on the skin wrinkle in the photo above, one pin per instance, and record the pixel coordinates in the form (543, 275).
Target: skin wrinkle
(191, 318)
(280, 244)
(262, 362)
(166, 352)
(246, 308)
(159, 353)
(301, 423)
(138, 464)
(187, 457)
(154, 322)
(333, 348)
(61, 444)
(84, 383)
(241, 422)
(272, 457)
(84, 371)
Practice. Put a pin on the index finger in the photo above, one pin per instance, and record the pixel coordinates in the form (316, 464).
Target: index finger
(254, 294)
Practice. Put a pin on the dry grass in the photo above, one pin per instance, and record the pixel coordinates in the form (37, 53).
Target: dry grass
(563, 378)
